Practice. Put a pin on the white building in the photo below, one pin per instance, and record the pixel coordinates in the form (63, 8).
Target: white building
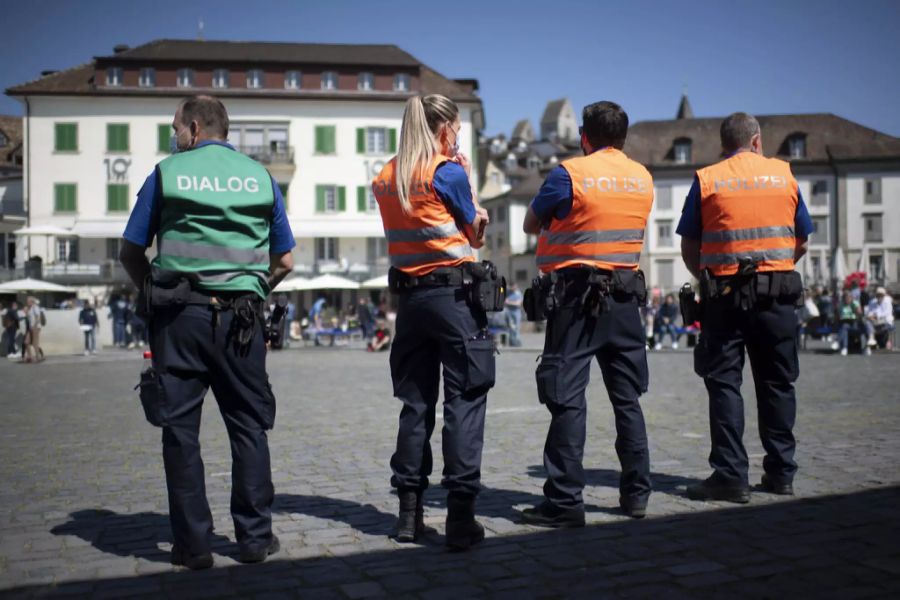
(322, 118)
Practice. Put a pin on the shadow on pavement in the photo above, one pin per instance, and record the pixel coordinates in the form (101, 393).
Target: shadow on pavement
(834, 546)
(362, 517)
(662, 482)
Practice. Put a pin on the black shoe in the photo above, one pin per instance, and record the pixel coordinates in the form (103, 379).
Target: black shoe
(776, 486)
(636, 508)
(709, 489)
(411, 520)
(249, 555)
(548, 515)
(462, 530)
(198, 562)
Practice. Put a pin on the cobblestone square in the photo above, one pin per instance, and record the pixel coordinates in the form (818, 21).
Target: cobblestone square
(83, 509)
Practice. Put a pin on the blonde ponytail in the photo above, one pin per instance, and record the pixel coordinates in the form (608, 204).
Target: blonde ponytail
(422, 119)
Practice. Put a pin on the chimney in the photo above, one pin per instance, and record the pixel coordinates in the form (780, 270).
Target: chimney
(120, 48)
(48, 72)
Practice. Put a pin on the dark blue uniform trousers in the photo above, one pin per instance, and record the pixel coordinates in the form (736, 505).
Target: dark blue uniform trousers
(616, 339)
(191, 354)
(768, 332)
(436, 327)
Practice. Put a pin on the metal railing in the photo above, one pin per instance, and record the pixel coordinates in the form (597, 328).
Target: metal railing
(272, 154)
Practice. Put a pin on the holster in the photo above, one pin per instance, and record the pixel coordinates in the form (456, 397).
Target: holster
(276, 323)
(487, 289)
(690, 309)
(747, 287)
(594, 286)
(152, 397)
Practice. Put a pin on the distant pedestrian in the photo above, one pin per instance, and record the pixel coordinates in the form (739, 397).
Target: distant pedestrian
(34, 321)
(11, 328)
(87, 319)
(366, 318)
(118, 309)
(513, 313)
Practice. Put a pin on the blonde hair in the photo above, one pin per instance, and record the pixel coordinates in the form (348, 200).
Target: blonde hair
(422, 118)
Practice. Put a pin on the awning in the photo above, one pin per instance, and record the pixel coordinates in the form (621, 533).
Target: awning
(33, 285)
(45, 230)
(99, 229)
(376, 283)
(290, 285)
(328, 282)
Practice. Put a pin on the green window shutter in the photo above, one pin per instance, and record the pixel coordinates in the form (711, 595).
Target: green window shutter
(361, 140)
(66, 137)
(163, 135)
(116, 137)
(117, 197)
(65, 199)
(320, 198)
(392, 140)
(362, 204)
(342, 198)
(325, 139)
(319, 131)
(330, 141)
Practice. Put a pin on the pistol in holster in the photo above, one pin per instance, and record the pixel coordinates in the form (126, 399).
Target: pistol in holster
(690, 308)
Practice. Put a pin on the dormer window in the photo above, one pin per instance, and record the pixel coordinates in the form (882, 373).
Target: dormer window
(329, 80)
(185, 78)
(221, 78)
(292, 80)
(401, 82)
(147, 77)
(682, 151)
(255, 79)
(366, 82)
(114, 76)
(3, 140)
(511, 160)
(797, 145)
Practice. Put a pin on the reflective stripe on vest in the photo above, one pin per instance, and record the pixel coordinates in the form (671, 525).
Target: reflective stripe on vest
(748, 206)
(215, 217)
(611, 200)
(427, 237)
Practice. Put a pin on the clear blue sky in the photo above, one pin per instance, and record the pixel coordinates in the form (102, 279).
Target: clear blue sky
(762, 56)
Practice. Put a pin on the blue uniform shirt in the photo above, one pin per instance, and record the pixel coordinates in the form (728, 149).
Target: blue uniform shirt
(143, 224)
(690, 225)
(554, 199)
(452, 186)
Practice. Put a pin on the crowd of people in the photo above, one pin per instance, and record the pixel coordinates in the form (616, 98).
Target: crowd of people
(857, 318)
(22, 330)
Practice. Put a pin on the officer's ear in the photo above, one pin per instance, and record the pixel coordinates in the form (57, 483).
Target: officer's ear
(756, 143)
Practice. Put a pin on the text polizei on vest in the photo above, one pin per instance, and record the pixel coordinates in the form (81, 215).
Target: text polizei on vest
(416, 188)
(633, 185)
(759, 182)
(189, 183)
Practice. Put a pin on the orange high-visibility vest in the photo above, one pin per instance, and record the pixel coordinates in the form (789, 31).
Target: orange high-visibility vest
(611, 200)
(427, 237)
(748, 204)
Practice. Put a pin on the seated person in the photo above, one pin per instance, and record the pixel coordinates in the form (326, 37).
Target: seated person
(849, 314)
(879, 318)
(381, 337)
(665, 322)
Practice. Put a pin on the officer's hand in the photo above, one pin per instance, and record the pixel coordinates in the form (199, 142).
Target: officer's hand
(462, 160)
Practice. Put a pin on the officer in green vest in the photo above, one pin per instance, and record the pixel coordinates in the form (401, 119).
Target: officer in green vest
(223, 242)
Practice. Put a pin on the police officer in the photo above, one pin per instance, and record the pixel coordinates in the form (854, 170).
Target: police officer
(591, 213)
(743, 227)
(223, 241)
(432, 222)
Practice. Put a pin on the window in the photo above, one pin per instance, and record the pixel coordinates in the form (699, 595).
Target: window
(325, 139)
(365, 81)
(164, 133)
(664, 234)
(376, 140)
(326, 249)
(819, 193)
(65, 197)
(293, 80)
(185, 78)
(221, 78)
(501, 242)
(255, 79)
(401, 82)
(330, 198)
(147, 77)
(117, 137)
(682, 151)
(3, 139)
(329, 80)
(873, 191)
(521, 275)
(797, 146)
(820, 230)
(815, 263)
(66, 137)
(365, 199)
(114, 76)
(501, 214)
(665, 274)
(495, 178)
(876, 267)
(116, 197)
(67, 250)
(112, 248)
(872, 228)
(376, 249)
(664, 197)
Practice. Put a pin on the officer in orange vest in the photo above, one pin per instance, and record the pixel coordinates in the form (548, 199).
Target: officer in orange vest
(432, 223)
(591, 213)
(743, 227)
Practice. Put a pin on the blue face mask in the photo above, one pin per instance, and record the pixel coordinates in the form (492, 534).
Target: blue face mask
(173, 145)
(454, 149)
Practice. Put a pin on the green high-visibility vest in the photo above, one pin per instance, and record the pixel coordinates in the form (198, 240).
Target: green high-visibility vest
(214, 221)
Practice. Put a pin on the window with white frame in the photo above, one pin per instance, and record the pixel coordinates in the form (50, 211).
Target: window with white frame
(365, 81)
(221, 78)
(665, 274)
(371, 201)
(376, 140)
(872, 227)
(682, 151)
(876, 267)
(797, 146)
(401, 82)
(329, 80)
(873, 191)
(255, 79)
(664, 197)
(185, 78)
(293, 80)
(819, 193)
(326, 249)
(67, 250)
(147, 77)
(376, 249)
(114, 76)
(820, 230)
(664, 233)
(329, 194)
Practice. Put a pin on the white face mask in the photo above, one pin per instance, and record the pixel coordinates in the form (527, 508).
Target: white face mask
(454, 149)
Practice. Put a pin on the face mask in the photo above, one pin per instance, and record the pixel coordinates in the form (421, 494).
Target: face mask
(454, 149)
(173, 145)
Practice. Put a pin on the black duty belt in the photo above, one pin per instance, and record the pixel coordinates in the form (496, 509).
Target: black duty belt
(484, 287)
(593, 288)
(399, 281)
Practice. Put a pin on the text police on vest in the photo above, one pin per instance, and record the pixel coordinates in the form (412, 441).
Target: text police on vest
(615, 184)
(188, 183)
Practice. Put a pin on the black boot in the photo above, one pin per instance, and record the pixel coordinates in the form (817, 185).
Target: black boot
(462, 530)
(411, 521)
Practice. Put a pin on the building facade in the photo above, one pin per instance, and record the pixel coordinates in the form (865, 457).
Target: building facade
(322, 118)
(12, 206)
